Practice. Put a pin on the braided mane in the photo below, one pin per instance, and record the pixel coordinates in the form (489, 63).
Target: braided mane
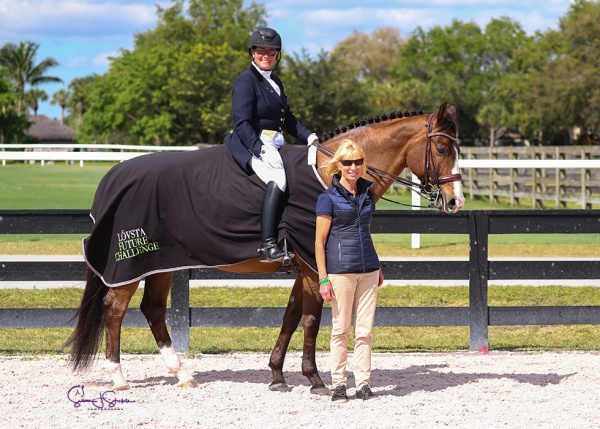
(370, 120)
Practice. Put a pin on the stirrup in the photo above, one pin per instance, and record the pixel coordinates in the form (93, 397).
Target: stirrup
(269, 252)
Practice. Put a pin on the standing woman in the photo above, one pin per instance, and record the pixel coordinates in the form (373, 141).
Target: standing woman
(349, 269)
(260, 112)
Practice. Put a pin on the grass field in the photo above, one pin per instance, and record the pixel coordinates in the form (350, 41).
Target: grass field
(60, 186)
(72, 187)
(25, 186)
(386, 339)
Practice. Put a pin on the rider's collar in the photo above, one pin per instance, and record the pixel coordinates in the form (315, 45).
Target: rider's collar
(265, 73)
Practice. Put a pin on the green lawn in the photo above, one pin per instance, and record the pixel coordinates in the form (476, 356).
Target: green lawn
(386, 339)
(72, 187)
(60, 186)
(25, 186)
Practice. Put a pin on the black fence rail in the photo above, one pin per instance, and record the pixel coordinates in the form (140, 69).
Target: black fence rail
(478, 270)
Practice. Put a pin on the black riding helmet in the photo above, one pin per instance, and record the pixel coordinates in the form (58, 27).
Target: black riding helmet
(265, 37)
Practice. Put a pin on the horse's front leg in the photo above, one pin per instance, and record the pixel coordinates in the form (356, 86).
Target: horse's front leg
(311, 322)
(115, 306)
(291, 318)
(154, 308)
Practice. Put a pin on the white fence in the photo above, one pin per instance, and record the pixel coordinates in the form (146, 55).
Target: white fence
(118, 153)
(80, 152)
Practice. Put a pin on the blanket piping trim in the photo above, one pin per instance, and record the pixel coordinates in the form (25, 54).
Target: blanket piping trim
(312, 161)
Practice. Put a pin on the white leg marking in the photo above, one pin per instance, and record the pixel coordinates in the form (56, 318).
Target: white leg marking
(114, 369)
(174, 366)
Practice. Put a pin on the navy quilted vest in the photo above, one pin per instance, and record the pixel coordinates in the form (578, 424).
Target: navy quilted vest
(349, 246)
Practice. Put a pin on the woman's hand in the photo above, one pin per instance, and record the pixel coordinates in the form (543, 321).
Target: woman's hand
(380, 277)
(326, 291)
(312, 138)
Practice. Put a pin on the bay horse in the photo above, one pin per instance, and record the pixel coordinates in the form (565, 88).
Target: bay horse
(424, 143)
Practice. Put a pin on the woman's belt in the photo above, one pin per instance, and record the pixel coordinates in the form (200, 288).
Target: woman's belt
(271, 133)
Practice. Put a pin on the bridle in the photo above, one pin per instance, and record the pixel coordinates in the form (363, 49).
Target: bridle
(431, 189)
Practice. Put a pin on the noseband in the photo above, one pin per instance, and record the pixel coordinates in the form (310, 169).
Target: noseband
(431, 190)
(433, 181)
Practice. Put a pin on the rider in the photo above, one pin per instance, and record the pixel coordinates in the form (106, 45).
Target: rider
(260, 112)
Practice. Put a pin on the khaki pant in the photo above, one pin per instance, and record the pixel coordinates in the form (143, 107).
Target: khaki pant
(358, 293)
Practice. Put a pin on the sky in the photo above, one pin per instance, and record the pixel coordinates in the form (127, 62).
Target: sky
(82, 34)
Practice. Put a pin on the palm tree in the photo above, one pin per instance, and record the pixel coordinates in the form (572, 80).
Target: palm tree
(19, 61)
(33, 96)
(61, 97)
(77, 89)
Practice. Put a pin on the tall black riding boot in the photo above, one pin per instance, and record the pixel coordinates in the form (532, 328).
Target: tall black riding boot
(270, 219)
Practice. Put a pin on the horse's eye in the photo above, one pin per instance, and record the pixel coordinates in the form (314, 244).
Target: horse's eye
(442, 149)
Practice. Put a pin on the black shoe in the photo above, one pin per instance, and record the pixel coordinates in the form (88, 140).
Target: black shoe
(270, 252)
(339, 394)
(270, 216)
(364, 393)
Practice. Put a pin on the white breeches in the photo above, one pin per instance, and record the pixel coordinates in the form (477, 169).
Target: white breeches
(263, 170)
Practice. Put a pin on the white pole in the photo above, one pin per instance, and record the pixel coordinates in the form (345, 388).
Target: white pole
(416, 201)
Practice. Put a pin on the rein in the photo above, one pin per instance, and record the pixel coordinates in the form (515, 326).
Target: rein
(431, 190)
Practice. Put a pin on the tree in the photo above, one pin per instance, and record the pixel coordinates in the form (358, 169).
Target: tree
(442, 62)
(33, 97)
(576, 75)
(20, 62)
(60, 98)
(174, 87)
(321, 93)
(77, 95)
(369, 56)
(12, 125)
(533, 104)
(501, 40)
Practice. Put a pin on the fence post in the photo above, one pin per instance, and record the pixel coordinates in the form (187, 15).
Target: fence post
(478, 281)
(180, 311)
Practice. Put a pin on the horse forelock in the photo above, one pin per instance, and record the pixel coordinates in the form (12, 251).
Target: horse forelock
(447, 123)
(348, 130)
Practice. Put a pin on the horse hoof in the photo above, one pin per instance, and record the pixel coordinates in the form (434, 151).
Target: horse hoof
(321, 391)
(279, 387)
(121, 387)
(189, 383)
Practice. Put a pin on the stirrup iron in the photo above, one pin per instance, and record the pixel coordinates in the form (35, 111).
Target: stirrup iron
(269, 252)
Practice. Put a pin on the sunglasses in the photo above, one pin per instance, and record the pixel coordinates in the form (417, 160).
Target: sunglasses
(262, 51)
(349, 162)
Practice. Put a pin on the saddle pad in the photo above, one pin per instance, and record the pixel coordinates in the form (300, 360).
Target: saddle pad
(173, 210)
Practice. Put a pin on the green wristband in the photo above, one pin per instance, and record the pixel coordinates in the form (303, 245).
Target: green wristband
(324, 281)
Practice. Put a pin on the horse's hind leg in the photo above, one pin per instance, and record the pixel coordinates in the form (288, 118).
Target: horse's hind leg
(115, 306)
(291, 318)
(308, 307)
(312, 310)
(154, 307)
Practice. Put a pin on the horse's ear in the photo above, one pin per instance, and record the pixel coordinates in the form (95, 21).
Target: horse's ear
(452, 111)
(442, 112)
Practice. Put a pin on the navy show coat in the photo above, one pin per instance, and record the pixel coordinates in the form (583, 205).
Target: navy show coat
(255, 107)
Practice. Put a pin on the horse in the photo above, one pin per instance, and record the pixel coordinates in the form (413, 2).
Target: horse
(424, 143)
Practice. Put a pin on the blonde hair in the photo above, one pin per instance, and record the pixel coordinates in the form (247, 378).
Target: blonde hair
(348, 149)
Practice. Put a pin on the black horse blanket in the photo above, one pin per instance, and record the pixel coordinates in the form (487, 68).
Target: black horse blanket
(167, 211)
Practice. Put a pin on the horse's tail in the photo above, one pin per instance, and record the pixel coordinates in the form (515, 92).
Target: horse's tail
(87, 336)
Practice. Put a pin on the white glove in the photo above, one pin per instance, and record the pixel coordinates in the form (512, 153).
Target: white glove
(312, 138)
(271, 156)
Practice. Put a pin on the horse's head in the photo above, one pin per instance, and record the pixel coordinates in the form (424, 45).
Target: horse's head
(434, 160)
(427, 145)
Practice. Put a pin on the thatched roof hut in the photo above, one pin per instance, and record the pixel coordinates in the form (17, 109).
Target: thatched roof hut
(48, 130)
